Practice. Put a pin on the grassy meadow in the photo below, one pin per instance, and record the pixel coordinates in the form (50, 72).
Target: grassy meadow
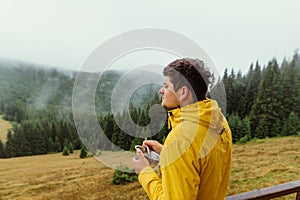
(259, 163)
(4, 126)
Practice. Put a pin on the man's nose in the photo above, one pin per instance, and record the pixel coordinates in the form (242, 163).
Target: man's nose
(161, 91)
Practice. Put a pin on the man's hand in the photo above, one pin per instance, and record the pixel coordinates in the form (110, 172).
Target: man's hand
(139, 161)
(153, 145)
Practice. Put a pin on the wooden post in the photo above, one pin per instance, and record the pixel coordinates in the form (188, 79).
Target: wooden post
(298, 196)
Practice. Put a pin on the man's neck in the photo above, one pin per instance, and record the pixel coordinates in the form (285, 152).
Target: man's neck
(186, 102)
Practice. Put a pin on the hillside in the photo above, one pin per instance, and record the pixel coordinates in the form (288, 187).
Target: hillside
(39, 101)
(33, 87)
(259, 163)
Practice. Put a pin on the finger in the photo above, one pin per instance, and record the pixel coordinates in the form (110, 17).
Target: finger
(139, 151)
(136, 156)
(147, 143)
(140, 154)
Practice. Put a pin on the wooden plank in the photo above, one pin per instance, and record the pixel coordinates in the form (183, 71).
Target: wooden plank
(269, 192)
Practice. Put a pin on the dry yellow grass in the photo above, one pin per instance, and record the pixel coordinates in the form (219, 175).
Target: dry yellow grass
(264, 163)
(256, 164)
(55, 176)
(4, 126)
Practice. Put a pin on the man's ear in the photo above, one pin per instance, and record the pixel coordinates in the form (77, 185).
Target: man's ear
(184, 92)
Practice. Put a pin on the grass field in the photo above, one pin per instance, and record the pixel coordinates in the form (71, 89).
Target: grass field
(4, 126)
(257, 164)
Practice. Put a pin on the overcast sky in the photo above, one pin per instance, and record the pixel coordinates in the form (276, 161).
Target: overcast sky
(234, 33)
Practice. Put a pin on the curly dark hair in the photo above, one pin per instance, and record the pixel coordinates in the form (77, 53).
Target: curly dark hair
(191, 73)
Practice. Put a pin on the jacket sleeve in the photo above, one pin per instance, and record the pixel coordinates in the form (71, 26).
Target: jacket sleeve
(151, 183)
(180, 178)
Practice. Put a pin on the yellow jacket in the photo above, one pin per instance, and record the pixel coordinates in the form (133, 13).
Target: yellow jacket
(196, 157)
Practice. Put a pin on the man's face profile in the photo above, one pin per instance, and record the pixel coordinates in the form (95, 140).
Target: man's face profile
(169, 96)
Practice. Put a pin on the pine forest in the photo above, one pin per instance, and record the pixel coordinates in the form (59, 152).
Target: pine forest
(264, 102)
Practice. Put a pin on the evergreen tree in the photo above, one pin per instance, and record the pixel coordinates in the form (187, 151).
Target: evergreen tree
(83, 152)
(121, 135)
(23, 146)
(51, 145)
(57, 144)
(252, 82)
(265, 114)
(2, 150)
(234, 122)
(245, 130)
(10, 146)
(143, 119)
(295, 64)
(239, 95)
(133, 113)
(262, 128)
(107, 126)
(291, 86)
(70, 147)
(66, 151)
(115, 137)
(292, 125)
(228, 84)
(217, 92)
(123, 141)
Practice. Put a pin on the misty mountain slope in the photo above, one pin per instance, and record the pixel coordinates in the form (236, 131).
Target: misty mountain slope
(35, 88)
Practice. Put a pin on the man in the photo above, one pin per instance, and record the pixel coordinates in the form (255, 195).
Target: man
(195, 159)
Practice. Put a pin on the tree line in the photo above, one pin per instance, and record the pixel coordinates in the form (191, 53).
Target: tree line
(264, 102)
(42, 132)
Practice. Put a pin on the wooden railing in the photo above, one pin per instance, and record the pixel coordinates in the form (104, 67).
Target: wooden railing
(270, 192)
